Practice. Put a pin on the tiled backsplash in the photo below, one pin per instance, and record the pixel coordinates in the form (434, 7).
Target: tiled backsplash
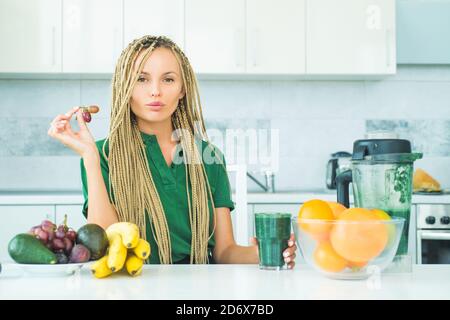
(432, 137)
(314, 119)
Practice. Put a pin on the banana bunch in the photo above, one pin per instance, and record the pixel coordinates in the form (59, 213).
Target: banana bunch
(126, 248)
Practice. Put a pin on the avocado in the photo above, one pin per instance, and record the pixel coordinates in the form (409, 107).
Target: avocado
(25, 248)
(93, 237)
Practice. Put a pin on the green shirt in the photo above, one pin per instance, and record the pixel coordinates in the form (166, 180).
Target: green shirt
(170, 182)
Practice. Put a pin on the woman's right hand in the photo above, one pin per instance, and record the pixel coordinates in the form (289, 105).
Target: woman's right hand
(81, 142)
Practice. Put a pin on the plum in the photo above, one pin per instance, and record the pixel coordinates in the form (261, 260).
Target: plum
(79, 254)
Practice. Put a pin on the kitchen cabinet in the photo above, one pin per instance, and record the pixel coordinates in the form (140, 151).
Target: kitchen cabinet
(272, 46)
(92, 35)
(423, 31)
(30, 36)
(235, 37)
(154, 17)
(19, 219)
(215, 35)
(350, 37)
(245, 36)
(75, 217)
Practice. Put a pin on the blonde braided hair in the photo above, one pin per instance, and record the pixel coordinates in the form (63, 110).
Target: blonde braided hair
(129, 175)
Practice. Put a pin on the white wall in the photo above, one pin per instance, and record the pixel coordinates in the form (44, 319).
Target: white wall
(314, 118)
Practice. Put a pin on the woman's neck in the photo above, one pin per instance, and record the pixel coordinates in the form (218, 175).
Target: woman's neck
(162, 130)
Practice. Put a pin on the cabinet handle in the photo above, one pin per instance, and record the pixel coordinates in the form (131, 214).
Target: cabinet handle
(53, 45)
(238, 47)
(255, 42)
(388, 47)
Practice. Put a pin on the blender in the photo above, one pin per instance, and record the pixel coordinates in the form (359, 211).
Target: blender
(381, 175)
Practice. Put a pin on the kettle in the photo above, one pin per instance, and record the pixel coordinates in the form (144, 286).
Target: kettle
(340, 161)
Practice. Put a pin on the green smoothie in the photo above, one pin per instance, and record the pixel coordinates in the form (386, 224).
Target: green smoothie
(273, 231)
(403, 245)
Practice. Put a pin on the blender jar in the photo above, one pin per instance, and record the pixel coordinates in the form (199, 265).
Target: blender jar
(381, 176)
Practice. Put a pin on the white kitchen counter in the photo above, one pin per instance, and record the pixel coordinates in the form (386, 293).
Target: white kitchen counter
(65, 198)
(230, 282)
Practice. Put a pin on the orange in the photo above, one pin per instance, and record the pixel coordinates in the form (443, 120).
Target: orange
(355, 266)
(337, 208)
(327, 259)
(317, 210)
(359, 235)
(382, 215)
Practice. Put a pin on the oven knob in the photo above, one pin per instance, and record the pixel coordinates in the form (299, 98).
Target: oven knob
(445, 220)
(430, 220)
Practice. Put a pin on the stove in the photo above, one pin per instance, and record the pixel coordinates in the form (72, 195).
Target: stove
(433, 233)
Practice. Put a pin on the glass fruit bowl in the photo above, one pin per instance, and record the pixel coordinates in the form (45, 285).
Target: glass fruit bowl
(341, 249)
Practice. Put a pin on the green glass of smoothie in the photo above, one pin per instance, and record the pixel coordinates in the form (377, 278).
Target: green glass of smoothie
(272, 231)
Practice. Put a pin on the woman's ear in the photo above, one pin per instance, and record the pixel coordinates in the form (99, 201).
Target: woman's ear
(181, 96)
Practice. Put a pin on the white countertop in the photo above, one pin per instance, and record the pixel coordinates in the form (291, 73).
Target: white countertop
(64, 198)
(227, 282)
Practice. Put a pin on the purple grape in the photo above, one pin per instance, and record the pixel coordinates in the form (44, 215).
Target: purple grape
(68, 245)
(60, 233)
(86, 116)
(51, 235)
(32, 230)
(47, 226)
(71, 234)
(43, 236)
(37, 230)
(58, 244)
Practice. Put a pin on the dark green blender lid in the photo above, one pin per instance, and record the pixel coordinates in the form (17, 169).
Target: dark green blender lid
(385, 150)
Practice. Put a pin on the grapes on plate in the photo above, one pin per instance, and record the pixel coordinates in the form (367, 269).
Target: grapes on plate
(58, 244)
(71, 234)
(60, 239)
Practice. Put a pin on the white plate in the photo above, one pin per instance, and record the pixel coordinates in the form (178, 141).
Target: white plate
(48, 270)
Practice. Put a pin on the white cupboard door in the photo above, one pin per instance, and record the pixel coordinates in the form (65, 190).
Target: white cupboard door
(92, 36)
(30, 36)
(276, 36)
(215, 35)
(154, 17)
(20, 219)
(75, 217)
(350, 37)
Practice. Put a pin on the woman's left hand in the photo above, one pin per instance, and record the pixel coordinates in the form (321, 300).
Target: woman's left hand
(289, 253)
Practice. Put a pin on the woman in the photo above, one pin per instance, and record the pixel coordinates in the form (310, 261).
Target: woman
(156, 168)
